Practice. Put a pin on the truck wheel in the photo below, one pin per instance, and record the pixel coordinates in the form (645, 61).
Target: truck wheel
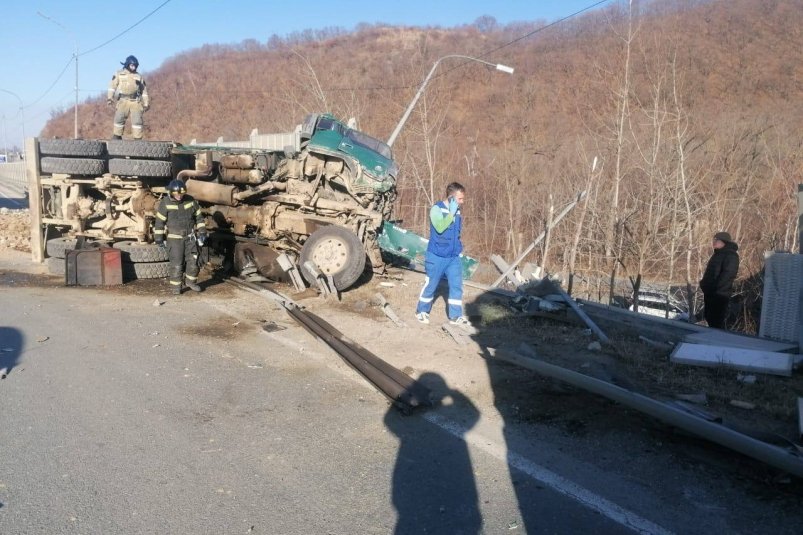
(88, 148)
(145, 270)
(136, 148)
(337, 252)
(154, 168)
(133, 252)
(73, 166)
(58, 247)
(56, 266)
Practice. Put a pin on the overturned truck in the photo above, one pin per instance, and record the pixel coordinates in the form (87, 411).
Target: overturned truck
(320, 194)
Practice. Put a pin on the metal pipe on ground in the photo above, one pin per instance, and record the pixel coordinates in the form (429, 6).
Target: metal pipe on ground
(406, 398)
(772, 455)
(400, 388)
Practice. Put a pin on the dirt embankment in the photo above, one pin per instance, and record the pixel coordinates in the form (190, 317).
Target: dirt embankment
(15, 230)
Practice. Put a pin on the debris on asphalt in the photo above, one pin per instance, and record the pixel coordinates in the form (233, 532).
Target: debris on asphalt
(700, 398)
(750, 360)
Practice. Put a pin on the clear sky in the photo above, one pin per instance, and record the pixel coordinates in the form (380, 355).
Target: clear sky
(38, 38)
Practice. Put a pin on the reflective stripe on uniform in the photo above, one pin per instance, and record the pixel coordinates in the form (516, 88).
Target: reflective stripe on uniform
(160, 216)
(191, 278)
(177, 236)
(457, 302)
(175, 283)
(171, 206)
(188, 205)
(159, 231)
(201, 225)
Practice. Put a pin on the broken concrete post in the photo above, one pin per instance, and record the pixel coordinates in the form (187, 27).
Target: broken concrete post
(385, 306)
(511, 274)
(289, 267)
(320, 280)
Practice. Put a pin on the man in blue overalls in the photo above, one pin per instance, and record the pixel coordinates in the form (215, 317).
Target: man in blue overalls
(443, 256)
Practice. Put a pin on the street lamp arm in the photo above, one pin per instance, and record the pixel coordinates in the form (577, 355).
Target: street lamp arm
(22, 112)
(395, 134)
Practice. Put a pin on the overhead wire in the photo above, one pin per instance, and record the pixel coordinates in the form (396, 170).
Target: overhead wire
(140, 21)
(483, 54)
(74, 57)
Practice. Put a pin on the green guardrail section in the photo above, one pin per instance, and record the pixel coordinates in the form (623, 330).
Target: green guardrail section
(407, 249)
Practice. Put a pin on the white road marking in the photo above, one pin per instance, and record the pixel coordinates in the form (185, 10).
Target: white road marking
(549, 478)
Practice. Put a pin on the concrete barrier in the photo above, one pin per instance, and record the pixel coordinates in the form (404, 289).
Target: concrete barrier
(13, 175)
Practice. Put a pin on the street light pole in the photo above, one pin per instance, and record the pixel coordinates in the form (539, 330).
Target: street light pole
(75, 57)
(22, 111)
(497, 66)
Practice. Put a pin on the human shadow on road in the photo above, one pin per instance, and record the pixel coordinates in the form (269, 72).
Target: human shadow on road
(11, 340)
(433, 482)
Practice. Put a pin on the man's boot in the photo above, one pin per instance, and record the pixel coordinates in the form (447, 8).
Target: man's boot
(193, 286)
(176, 290)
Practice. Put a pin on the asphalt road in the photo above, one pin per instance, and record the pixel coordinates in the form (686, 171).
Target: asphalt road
(119, 416)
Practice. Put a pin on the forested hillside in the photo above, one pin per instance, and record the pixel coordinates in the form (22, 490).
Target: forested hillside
(693, 110)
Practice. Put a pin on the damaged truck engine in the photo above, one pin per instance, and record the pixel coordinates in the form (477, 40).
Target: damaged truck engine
(319, 194)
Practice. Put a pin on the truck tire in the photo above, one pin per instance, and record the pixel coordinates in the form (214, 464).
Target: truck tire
(87, 148)
(136, 148)
(73, 166)
(145, 270)
(58, 247)
(56, 266)
(133, 252)
(152, 168)
(337, 252)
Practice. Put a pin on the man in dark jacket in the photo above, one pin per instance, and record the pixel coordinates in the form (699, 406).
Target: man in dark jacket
(717, 281)
(178, 217)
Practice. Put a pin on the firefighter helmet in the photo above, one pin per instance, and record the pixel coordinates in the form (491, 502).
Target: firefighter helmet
(129, 60)
(176, 186)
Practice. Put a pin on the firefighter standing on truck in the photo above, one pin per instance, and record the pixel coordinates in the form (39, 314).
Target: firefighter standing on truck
(179, 218)
(128, 90)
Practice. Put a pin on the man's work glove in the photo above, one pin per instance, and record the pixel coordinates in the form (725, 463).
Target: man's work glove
(452, 206)
(201, 238)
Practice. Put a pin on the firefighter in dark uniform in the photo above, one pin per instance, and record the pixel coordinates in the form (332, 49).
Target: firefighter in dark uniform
(179, 219)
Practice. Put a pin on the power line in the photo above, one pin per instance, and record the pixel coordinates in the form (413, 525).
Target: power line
(140, 21)
(51, 85)
(47, 91)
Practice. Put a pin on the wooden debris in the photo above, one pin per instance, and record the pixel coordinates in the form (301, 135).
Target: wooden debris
(748, 360)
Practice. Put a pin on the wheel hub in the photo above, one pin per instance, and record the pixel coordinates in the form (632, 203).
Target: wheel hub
(330, 255)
